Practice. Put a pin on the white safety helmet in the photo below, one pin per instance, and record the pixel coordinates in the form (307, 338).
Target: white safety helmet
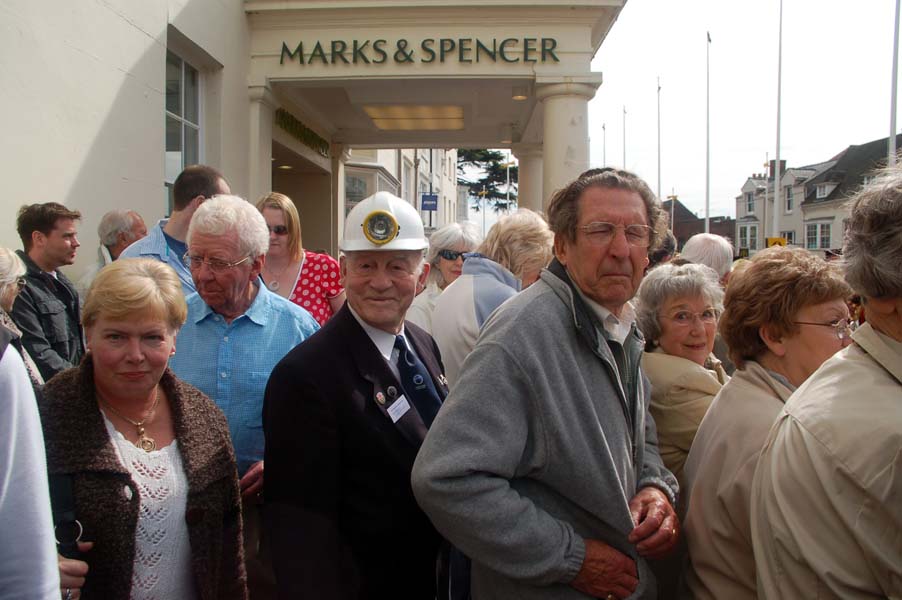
(383, 222)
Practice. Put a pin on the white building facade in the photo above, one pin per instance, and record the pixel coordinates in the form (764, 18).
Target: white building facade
(105, 103)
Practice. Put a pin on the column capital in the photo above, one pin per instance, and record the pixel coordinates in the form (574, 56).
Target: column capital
(526, 151)
(567, 88)
(341, 152)
(263, 94)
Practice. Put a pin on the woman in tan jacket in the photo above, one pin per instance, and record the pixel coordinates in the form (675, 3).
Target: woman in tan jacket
(775, 323)
(677, 311)
(827, 494)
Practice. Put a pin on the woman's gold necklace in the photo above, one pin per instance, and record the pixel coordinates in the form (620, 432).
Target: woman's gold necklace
(145, 442)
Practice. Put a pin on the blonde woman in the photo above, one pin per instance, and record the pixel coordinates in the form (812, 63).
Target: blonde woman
(309, 279)
(149, 457)
(510, 259)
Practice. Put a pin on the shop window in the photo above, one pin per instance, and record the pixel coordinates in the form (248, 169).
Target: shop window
(183, 131)
(358, 185)
(789, 236)
(753, 237)
(743, 237)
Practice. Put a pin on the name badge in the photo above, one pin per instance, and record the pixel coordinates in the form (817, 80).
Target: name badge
(398, 409)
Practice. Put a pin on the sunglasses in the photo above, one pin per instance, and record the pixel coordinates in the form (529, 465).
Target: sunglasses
(278, 229)
(450, 254)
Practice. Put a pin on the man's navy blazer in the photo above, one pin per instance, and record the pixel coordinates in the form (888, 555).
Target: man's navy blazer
(339, 513)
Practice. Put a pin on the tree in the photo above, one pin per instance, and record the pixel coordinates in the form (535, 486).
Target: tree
(486, 170)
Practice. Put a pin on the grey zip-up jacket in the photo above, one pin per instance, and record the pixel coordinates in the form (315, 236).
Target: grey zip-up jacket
(540, 445)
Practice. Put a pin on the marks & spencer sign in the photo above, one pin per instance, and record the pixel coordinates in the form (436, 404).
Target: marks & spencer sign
(429, 50)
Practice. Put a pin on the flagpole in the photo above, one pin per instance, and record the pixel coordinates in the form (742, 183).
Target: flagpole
(708, 135)
(624, 137)
(659, 137)
(604, 146)
(778, 176)
(891, 150)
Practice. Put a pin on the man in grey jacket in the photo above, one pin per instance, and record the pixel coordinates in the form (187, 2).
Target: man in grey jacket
(542, 465)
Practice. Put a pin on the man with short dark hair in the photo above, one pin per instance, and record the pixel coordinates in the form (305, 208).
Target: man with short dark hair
(118, 229)
(46, 310)
(542, 465)
(166, 242)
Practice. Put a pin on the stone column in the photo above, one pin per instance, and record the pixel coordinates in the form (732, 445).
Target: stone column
(529, 189)
(340, 154)
(263, 105)
(566, 133)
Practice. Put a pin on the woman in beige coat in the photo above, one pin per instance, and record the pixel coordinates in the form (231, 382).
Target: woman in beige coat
(785, 314)
(827, 492)
(677, 309)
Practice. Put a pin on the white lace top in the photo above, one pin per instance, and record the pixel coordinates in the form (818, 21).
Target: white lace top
(162, 568)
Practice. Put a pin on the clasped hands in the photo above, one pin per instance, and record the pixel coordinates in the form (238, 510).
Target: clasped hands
(607, 573)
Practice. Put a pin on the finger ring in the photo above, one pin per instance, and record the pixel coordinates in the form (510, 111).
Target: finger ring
(68, 595)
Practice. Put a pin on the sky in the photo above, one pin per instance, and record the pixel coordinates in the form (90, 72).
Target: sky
(836, 80)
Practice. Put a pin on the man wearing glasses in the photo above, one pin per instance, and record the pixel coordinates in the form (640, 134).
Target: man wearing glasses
(165, 242)
(543, 465)
(236, 332)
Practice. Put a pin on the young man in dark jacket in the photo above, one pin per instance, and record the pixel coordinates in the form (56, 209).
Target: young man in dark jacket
(47, 308)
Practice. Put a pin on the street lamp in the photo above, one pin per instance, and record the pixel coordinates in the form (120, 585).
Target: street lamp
(483, 195)
(507, 166)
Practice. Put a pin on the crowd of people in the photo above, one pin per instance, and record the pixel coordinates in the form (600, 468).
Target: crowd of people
(572, 407)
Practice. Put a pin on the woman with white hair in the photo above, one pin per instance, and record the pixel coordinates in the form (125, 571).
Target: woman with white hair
(677, 310)
(12, 280)
(445, 256)
(510, 258)
(826, 513)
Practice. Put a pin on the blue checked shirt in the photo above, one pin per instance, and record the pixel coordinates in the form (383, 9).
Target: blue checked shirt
(231, 362)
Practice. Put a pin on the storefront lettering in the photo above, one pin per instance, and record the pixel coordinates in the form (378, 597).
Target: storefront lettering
(461, 50)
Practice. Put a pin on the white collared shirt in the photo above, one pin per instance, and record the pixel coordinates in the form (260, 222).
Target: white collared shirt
(384, 342)
(617, 327)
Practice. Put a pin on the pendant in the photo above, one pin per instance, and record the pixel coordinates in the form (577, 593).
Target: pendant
(145, 442)
(273, 285)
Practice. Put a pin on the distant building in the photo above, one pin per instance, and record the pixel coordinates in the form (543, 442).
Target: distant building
(812, 213)
(686, 223)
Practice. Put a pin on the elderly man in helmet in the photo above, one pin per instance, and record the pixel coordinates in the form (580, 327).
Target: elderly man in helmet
(344, 416)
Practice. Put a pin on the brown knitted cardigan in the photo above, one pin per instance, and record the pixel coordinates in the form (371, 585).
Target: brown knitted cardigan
(107, 499)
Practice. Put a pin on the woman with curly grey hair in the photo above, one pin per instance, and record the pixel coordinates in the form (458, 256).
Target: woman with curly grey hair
(677, 310)
(445, 257)
(826, 515)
